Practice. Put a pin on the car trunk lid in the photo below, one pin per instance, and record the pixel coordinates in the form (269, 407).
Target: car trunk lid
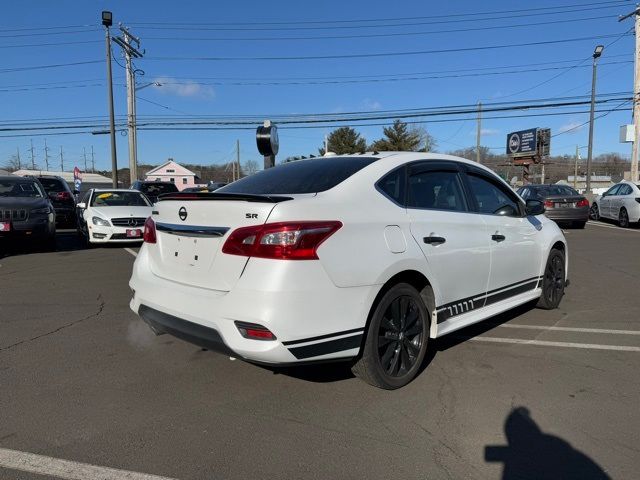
(191, 230)
(562, 201)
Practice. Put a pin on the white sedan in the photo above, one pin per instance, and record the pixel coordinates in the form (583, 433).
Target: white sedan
(115, 215)
(621, 202)
(360, 257)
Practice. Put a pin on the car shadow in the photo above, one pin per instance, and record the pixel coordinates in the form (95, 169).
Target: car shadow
(340, 371)
(532, 454)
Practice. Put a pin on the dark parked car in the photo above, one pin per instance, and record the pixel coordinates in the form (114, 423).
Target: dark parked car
(212, 187)
(153, 189)
(26, 211)
(62, 199)
(562, 203)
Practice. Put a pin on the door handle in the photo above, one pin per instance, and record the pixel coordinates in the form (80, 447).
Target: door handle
(496, 237)
(431, 240)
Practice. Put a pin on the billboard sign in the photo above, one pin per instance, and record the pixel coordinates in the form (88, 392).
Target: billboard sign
(523, 143)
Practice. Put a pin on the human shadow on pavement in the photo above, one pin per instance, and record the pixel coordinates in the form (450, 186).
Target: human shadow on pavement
(533, 454)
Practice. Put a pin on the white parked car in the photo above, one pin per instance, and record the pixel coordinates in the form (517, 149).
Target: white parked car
(621, 202)
(359, 257)
(114, 215)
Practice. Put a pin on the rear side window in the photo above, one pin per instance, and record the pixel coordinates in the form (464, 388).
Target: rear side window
(158, 188)
(436, 190)
(625, 190)
(303, 176)
(393, 185)
(52, 185)
(491, 199)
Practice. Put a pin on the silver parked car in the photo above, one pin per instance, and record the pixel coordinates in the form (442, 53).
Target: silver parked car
(621, 202)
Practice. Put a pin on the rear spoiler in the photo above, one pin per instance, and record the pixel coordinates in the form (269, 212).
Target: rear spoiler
(221, 196)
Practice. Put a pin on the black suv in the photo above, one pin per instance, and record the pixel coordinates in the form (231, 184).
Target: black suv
(153, 189)
(62, 199)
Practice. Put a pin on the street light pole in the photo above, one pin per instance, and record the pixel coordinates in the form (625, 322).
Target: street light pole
(107, 21)
(596, 54)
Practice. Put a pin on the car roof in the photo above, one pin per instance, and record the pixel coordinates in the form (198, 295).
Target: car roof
(98, 190)
(16, 178)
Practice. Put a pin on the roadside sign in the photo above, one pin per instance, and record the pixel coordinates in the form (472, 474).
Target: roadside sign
(77, 174)
(523, 143)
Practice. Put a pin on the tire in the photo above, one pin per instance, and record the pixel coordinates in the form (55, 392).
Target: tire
(594, 212)
(553, 281)
(579, 225)
(623, 218)
(396, 341)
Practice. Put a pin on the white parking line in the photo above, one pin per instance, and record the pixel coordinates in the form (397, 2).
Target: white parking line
(606, 225)
(572, 329)
(132, 252)
(66, 469)
(589, 346)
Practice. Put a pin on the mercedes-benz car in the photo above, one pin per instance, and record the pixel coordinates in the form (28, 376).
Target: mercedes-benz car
(621, 203)
(26, 211)
(362, 258)
(114, 215)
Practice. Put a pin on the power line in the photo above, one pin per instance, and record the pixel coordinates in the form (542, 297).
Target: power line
(284, 25)
(377, 35)
(386, 54)
(58, 27)
(41, 67)
(71, 32)
(51, 44)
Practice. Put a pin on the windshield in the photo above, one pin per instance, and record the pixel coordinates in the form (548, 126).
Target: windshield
(119, 199)
(155, 189)
(52, 185)
(20, 188)
(303, 176)
(554, 190)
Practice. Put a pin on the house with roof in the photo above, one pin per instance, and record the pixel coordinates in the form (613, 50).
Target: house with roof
(173, 172)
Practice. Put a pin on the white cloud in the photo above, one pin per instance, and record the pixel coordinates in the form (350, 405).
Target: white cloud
(486, 132)
(571, 127)
(370, 104)
(183, 88)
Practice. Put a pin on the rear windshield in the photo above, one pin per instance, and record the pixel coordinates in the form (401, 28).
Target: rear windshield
(52, 185)
(20, 188)
(119, 199)
(158, 188)
(552, 190)
(303, 176)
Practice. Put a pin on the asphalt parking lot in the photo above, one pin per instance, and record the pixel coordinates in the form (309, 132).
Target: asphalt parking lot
(531, 394)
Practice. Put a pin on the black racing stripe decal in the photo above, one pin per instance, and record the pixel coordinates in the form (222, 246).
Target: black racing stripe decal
(475, 302)
(324, 348)
(322, 337)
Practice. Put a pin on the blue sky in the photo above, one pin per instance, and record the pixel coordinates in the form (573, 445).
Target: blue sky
(186, 90)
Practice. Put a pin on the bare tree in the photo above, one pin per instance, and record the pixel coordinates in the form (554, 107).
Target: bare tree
(13, 163)
(250, 167)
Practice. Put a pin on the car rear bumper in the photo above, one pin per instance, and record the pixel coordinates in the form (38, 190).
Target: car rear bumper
(311, 318)
(568, 214)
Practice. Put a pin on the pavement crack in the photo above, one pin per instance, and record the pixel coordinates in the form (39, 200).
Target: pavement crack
(101, 305)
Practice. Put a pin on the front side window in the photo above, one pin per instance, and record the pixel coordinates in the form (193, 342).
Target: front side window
(436, 190)
(491, 199)
(613, 190)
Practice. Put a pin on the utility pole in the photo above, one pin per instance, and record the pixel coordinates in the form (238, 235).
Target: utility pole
(84, 154)
(575, 172)
(46, 154)
(326, 143)
(33, 157)
(19, 162)
(479, 132)
(596, 54)
(61, 160)
(636, 94)
(542, 173)
(107, 21)
(130, 52)
(93, 162)
(238, 157)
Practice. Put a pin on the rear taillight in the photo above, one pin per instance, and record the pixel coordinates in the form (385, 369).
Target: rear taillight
(149, 235)
(281, 241)
(63, 196)
(582, 203)
(548, 204)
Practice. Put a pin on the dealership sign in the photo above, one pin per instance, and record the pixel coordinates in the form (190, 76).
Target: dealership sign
(523, 143)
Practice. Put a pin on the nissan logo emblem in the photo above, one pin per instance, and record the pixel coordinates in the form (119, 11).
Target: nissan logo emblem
(182, 213)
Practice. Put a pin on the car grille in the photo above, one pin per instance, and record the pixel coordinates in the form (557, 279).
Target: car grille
(13, 215)
(128, 222)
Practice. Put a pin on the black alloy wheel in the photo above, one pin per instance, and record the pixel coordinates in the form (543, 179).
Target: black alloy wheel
(623, 218)
(594, 212)
(396, 341)
(554, 281)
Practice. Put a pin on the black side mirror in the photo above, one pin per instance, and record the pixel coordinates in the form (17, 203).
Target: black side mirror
(535, 207)
(506, 211)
